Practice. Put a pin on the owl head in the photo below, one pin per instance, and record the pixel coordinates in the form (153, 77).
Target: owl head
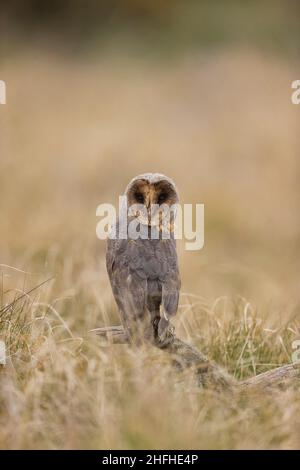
(150, 198)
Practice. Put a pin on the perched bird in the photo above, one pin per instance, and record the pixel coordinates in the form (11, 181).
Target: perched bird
(143, 271)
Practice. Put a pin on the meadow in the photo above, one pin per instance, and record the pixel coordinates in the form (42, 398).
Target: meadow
(72, 134)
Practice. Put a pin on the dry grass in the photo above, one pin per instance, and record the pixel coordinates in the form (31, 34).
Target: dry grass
(72, 134)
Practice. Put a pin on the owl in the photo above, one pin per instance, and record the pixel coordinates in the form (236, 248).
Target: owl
(143, 270)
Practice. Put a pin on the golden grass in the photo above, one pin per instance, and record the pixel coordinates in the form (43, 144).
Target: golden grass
(72, 134)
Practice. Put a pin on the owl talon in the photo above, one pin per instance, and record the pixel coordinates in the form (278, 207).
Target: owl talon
(165, 332)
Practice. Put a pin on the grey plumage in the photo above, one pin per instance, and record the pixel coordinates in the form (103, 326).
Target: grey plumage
(144, 273)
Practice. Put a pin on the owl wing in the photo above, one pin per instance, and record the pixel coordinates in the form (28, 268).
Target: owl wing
(170, 282)
(169, 276)
(170, 294)
(129, 288)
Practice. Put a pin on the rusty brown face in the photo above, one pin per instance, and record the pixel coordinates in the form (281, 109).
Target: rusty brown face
(151, 195)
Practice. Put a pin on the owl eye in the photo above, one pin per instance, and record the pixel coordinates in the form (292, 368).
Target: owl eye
(162, 198)
(139, 197)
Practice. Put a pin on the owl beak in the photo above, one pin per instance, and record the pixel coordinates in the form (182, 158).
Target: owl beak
(148, 207)
(149, 215)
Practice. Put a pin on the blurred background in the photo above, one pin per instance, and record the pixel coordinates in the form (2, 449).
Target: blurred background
(100, 91)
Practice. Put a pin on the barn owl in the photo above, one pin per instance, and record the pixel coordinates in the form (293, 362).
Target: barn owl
(143, 272)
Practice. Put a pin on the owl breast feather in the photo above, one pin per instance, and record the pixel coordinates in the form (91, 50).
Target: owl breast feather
(151, 259)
